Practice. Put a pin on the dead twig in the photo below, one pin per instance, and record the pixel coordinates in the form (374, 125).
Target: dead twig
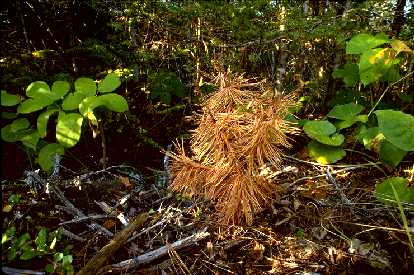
(107, 251)
(156, 254)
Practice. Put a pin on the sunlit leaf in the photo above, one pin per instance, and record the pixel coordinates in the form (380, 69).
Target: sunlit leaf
(68, 129)
(362, 42)
(325, 154)
(109, 83)
(38, 89)
(42, 121)
(324, 132)
(34, 104)
(30, 139)
(114, 102)
(60, 89)
(397, 127)
(85, 86)
(376, 63)
(72, 101)
(399, 46)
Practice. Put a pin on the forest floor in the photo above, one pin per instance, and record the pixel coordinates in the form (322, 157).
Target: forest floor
(323, 220)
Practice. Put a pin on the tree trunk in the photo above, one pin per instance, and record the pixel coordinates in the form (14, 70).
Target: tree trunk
(399, 18)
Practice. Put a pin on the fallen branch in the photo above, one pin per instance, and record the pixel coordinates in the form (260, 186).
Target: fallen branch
(15, 271)
(155, 254)
(108, 250)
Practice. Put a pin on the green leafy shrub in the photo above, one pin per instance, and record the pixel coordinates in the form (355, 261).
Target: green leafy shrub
(71, 108)
(165, 85)
(391, 135)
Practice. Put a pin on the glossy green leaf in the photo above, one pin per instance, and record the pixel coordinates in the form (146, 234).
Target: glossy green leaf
(346, 111)
(384, 191)
(397, 127)
(33, 104)
(362, 42)
(38, 89)
(349, 74)
(30, 139)
(47, 153)
(85, 86)
(114, 102)
(68, 129)
(109, 83)
(324, 132)
(9, 99)
(43, 120)
(325, 154)
(60, 89)
(391, 154)
(72, 101)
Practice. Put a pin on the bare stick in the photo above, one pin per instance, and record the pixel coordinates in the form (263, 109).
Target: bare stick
(157, 253)
(108, 250)
(14, 271)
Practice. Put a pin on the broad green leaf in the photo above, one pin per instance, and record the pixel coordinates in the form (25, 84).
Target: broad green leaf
(8, 135)
(67, 260)
(342, 124)
(19, 124)
(346, 111)
(41, 239)
(31, 139)
(8, 115)
(325, 154)
(28, 254)
(60, 89)
(384, 191)
(88, 104)
(114, 102)
(58, 256)
(47, 153)
(349, 73)
(33, 104)
(22, 240)
(399, 46)
(42, 121)
(324, 132)
(9, 99)
(390, 75)
(72, 101)
(362, 42)
(109, 83)
(38, 89)
(397, 127)
(367, 135)
(68, 129)
(375, 63)
(391, 154)
(85, 86)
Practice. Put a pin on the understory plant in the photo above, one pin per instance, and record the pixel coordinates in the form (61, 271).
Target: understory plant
(240, 133)
(391, 132)
(72, 106)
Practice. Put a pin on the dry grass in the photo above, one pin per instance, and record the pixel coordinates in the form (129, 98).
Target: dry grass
(240, 131)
